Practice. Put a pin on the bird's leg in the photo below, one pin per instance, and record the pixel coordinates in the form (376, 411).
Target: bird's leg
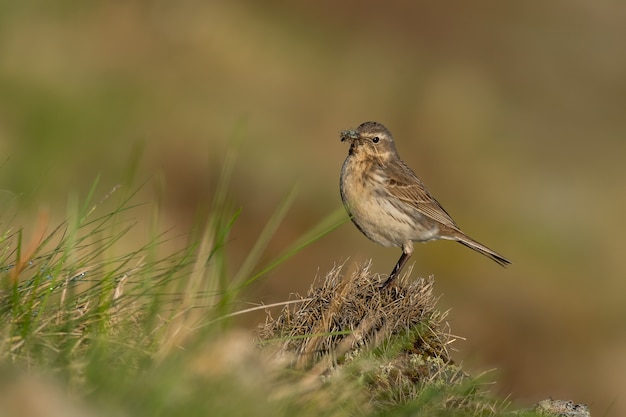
(407, 251)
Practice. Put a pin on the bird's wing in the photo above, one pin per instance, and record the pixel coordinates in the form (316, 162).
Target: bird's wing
(406, 187)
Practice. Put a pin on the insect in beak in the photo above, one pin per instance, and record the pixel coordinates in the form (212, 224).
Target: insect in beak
(349, 135)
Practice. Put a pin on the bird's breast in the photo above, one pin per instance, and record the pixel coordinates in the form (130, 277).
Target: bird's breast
(386, 220)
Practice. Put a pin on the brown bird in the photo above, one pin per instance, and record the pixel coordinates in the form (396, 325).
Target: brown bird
(388, 203)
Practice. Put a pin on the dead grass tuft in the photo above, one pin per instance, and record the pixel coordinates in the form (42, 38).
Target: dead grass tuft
(342, 315)
(394, 338)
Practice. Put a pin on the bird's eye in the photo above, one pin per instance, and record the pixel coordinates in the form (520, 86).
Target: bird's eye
(375, 139)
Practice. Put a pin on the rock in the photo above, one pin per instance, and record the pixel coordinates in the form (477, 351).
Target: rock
(562, 408)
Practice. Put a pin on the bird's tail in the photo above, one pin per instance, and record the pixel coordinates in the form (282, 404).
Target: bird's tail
(478, 247)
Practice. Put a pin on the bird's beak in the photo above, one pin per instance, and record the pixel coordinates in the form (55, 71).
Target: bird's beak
(349, 135)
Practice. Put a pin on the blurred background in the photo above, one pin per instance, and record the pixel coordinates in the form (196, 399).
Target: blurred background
(512, 113)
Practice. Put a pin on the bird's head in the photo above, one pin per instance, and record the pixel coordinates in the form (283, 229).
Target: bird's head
(370, 139)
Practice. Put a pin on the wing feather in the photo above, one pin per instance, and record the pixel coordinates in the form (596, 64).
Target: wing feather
(404, 185)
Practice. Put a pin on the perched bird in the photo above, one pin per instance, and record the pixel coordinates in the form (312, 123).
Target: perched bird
(388, 203)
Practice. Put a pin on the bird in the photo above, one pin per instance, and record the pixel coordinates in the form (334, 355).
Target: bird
(388, 203)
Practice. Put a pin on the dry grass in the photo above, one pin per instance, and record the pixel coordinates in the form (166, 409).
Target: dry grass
(345, 315)
(394, 340)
